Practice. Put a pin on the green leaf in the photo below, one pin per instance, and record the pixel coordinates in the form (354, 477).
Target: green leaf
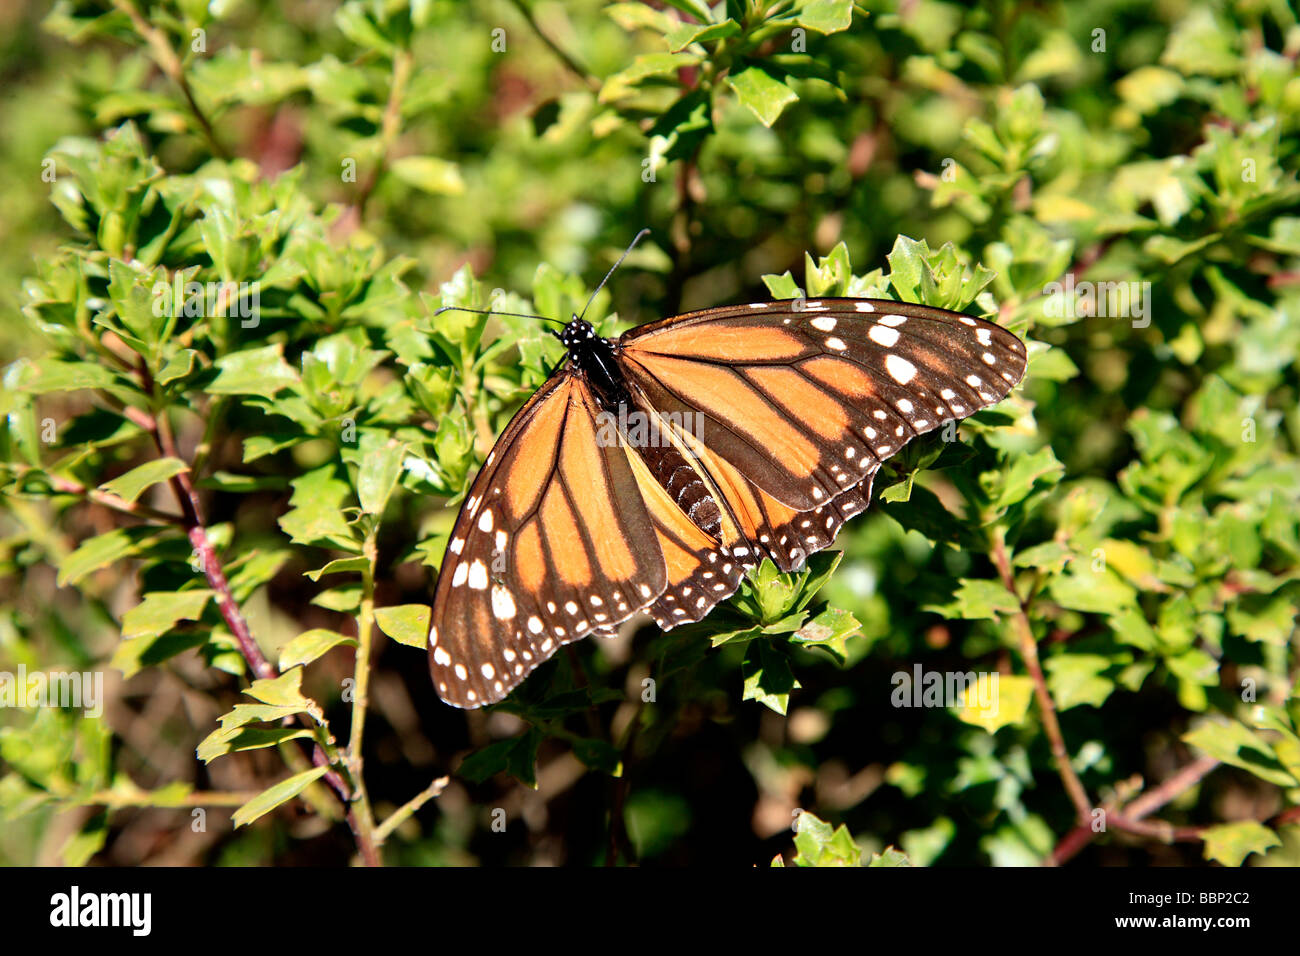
(828, 630)
(517, 757)
(406, 623)
(381, 466)
(131, 485)
(764, 96)
(1231, 843)
(825, 16)
(134, 654)
(272, 797)
(978, 599)
(1076, 679)
(433, 175)
(1098, 592)
(688, 33)
(316, 510)
(340, 566)
(252, 372)
(819, 844)
(889, 857)
(1238, 745)
(767, 675)
(285, 691)
(102, 550)
(1050, 557)
(160, 610)
(310, 645)
(1008, 706)
(228, 740)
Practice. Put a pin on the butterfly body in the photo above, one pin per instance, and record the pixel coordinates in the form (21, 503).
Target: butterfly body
(651, 470)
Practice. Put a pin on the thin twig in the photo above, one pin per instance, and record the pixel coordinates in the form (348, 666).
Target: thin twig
(401, 814)
(362, 817)
(167, 61)
(1131, 818)
(114, 800)
(192, 515)
(1029, 651)
(592, 81)
(390, 126)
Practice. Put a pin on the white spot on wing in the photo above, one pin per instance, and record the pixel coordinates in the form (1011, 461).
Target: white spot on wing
(883, 336)
(503, 603)
(900, 369)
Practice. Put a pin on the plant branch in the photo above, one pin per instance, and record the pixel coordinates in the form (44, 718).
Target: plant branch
(1029, 651)
(1131, 819)
(592, 81)
(400, 815)
(362, 818)
(167, 61)
(192, 518)
(390, 126)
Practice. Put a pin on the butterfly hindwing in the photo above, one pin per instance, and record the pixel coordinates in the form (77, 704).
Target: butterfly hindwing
(553, 543)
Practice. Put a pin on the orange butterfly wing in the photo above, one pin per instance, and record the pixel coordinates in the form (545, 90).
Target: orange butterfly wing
(807, 402)
(553, 543)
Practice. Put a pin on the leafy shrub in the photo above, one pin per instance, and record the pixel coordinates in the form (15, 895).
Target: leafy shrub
(236, 434)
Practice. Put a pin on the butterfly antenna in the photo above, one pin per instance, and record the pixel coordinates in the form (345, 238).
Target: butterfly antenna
(639, 236)
(517, 315)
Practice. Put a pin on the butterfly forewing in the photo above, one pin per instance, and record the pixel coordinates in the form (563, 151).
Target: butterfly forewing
(553, 543)
(825, 389)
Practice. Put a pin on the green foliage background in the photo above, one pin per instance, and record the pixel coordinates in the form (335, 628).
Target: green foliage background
(1119, 541)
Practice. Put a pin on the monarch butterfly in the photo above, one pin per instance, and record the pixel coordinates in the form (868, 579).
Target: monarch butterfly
(792, 406)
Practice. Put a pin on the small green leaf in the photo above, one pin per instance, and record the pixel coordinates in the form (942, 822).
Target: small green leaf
(819, 844)
(340, 566)
(227, 740)
(381, 466)
(517, 757)
(272, 797)
(252, 372)
(978, 599)
(160, 610)
(1231, 843)
(1238, 745)
(765, 97)
(131, 485)
(283, 691)
(768, 677)
(310, 645)
(1008, 706)
(406, 623)
(102, 550)
(688, 33)
(825, 16)
(433, 175)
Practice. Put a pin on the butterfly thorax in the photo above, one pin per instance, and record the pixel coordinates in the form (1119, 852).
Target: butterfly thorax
(596, 359)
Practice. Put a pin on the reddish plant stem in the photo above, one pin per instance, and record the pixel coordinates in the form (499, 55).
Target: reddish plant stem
(1047, 708)
(192, 518)
(1131, 819)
